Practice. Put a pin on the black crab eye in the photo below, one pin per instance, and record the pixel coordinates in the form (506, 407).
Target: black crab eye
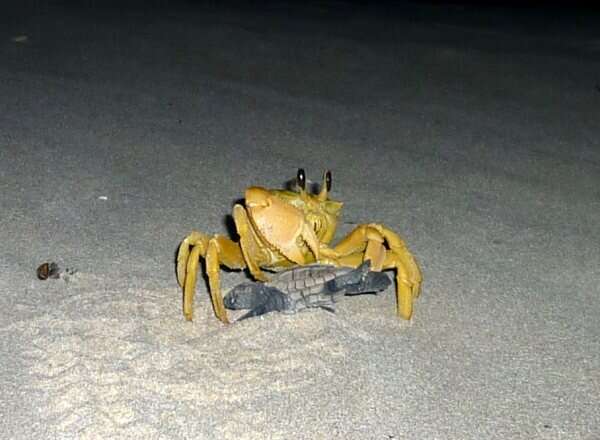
(328, 180)
(301, 179)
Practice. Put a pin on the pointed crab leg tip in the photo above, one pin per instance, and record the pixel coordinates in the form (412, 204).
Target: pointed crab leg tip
(405, 315)
(221, 314)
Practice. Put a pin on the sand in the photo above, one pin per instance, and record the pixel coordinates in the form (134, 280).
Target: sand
(473, 133)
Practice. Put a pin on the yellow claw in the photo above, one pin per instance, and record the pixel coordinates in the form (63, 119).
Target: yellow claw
(281, 225)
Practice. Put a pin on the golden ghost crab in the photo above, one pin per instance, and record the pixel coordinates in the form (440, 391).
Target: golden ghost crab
(278, 229)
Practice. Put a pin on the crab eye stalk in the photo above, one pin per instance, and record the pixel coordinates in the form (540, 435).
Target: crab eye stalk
(301, 179)
(326, 186)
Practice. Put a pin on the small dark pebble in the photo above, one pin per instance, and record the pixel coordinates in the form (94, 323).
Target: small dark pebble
(42, 271)
(48, 270)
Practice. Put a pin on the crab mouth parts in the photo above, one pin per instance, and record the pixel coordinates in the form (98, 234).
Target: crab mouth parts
(317, 223)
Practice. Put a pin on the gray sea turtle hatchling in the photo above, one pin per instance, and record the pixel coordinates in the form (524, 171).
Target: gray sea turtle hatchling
(303, 287)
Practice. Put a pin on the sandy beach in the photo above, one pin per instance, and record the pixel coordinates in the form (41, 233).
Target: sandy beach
(472, 132)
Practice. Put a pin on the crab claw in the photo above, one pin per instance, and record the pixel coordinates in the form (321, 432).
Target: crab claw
(257, 197)
(280, 224)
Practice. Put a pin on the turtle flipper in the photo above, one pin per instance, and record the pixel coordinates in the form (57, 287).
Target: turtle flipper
(353, 277)
(257, 311)
(359, 280)
(372, 282)
(260, 299)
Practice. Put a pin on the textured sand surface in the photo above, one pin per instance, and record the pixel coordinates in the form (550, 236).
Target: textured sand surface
(475, 136)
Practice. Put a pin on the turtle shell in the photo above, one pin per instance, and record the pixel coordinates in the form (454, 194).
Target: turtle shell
(308, 280)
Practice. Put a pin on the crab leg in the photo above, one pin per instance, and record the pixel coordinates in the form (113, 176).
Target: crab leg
(398, 247)
(183, 254)
(214, 280)
(217, 250)
(249, 243)
(368, 241)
